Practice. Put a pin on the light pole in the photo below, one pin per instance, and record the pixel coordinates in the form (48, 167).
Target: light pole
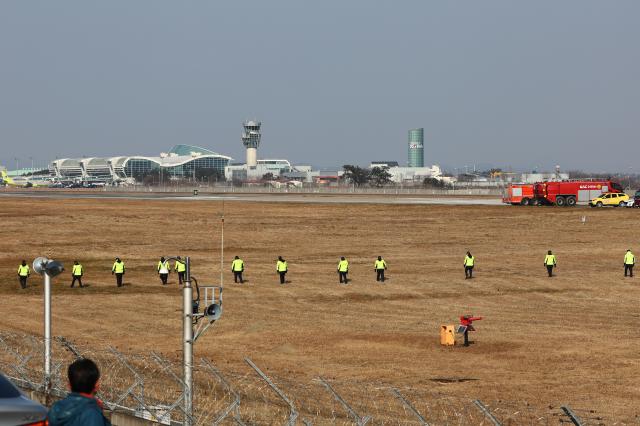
(48, 269)
(187, 343)
(212, 312)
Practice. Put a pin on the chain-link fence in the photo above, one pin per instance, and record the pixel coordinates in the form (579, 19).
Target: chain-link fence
(150, 386)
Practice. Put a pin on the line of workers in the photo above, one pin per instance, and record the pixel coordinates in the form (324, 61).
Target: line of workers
(282, 267)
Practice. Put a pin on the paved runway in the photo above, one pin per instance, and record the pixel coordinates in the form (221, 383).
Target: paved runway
(265, 198)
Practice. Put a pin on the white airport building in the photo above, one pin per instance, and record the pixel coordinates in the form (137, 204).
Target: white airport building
(409, 174)
(182, 161)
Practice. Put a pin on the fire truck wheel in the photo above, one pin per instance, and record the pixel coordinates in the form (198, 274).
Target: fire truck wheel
(534, 202)
(561, 201)
(571, 201)
(524, 202)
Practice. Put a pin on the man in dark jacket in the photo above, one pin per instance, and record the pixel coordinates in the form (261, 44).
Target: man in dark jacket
(80, 407)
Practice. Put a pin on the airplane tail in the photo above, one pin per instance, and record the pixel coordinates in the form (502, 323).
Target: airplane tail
(5, 178)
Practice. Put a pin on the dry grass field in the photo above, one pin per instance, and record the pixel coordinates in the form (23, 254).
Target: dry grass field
(571, 339)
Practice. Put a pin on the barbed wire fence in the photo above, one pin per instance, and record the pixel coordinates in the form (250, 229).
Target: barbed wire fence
(149, 386)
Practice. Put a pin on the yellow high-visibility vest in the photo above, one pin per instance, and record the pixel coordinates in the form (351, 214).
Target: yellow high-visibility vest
(629, 258)
(549, 260)
(380, 264)
(23, 271)
(237, 265)
(164, 267)
(77, 270)
(281, 266)
(343, 266)
(180, 266)
(469, 261)
(118, 267)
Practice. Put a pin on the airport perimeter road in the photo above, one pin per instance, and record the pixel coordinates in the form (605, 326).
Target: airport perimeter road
(270, 198)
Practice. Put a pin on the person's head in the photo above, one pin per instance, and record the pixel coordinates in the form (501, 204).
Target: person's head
(117, 259)
(83, 376)
(379, 257)
(24, 262)
(468, 254)
(280, 258)
(178, 258)
(162, 259)
(237, 257)
(549, 252)
(342, 258)
(75, 262)
(628, 249)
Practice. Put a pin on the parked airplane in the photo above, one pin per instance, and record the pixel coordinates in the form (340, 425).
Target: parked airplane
(22, 181)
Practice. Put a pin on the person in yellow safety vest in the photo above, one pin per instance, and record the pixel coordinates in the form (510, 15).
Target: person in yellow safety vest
(163, 270)
(343, 270)
(379, 266)
(76, 274)
(550, 262)
(282, 268)
(469, 262)
(237, 267)
(23, 273)
(118, 270)
(180, 267)
(629, 261)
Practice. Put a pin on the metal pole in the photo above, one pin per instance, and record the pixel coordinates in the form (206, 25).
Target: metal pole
(187, 300)
(47, 335)
(222, 247)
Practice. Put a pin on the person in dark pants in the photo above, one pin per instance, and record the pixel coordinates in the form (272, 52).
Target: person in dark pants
(80, 407)
(282, 268)
(181, 269)
(343, 270)
(118, 270)
(76, 274)
(629, 261)
(550, 263)
(469, 262)
(23, 273)
(237, 267)
(379, 266)
(163, 270)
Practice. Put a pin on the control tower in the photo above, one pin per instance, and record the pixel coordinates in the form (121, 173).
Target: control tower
(251, 139)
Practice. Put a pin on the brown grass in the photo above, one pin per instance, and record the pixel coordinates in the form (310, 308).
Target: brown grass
(572, 339)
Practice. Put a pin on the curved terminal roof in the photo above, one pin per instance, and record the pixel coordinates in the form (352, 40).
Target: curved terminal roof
(189, 149)
(96, 162)
(68, 162)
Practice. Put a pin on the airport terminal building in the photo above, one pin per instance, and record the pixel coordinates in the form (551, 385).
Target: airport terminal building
(182, 161)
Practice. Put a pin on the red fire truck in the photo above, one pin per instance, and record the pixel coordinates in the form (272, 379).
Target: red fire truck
(559, 193)
(518, 193)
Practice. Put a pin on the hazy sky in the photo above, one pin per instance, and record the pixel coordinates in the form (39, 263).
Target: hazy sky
(513, 83)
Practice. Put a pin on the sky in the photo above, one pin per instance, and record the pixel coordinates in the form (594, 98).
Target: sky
(513, 84)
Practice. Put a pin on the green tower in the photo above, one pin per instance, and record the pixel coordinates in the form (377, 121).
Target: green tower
(416, 148)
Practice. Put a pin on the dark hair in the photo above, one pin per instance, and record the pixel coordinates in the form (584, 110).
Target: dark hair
(83, 375)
